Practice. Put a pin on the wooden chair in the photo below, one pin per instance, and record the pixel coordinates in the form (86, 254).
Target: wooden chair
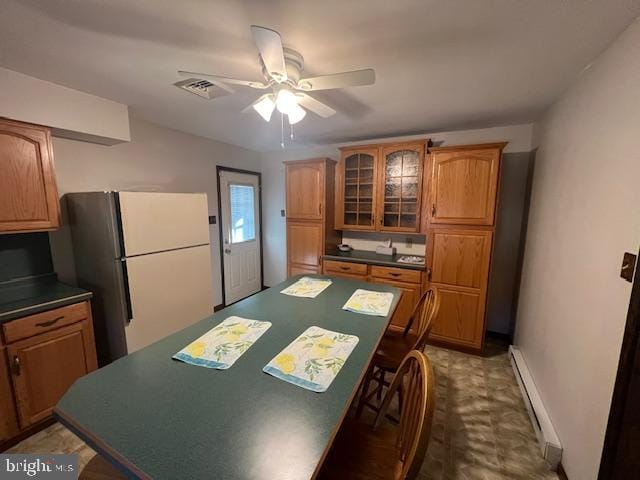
(388, 451)
(395, 346)
(99, 469)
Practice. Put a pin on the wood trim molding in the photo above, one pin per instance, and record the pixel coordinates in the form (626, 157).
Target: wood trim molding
(310, 160)
(476, 146)
(222, 168)
(626, 377)
(562, 475)
(423, 142)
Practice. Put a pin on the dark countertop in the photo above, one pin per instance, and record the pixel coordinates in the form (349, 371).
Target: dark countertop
(371, 258)
(239, 423)
(20, 298)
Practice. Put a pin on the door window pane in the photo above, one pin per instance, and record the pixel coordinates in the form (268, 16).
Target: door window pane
(243, 227)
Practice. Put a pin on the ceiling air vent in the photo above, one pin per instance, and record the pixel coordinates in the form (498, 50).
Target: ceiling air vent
(202, 88)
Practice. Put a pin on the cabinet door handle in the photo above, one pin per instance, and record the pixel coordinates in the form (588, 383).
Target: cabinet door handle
(433, 210)
(346, 269)
(320, 209)
(429, 274)
(394, 274)
(50, 322)
(16, 366)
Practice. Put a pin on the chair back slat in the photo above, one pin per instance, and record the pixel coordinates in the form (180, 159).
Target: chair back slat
(424, 315)
(415, 376)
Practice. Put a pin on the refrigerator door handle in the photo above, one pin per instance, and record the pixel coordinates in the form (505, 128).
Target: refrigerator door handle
(125, 298)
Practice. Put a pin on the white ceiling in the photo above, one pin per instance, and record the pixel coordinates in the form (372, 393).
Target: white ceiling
(440, 64)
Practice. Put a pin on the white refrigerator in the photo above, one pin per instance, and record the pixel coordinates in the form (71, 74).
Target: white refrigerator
(146, 258)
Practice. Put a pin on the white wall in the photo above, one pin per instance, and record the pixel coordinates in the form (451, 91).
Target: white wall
(275, 268)
(156, 159)
(70, 113)
(583, 217)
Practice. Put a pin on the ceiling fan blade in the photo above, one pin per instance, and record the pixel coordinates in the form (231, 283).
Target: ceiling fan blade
(219, 78)
(316, 106)
(338, 80)
(249, 107)
(269, 45)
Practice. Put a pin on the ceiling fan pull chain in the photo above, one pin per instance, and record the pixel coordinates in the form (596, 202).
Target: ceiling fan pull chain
(282, 130)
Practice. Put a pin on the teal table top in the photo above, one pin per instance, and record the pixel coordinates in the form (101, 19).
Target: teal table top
(154, 417)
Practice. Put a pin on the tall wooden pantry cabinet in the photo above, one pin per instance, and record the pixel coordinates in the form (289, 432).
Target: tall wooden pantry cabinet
(462, 197)
(309, 186)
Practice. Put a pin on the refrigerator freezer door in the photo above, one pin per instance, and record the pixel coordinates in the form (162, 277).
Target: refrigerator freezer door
(155, 222)
(169, 291)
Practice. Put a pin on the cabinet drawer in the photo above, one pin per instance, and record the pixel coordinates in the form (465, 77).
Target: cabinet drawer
(44, 321)
(345, 267)
(392, 273)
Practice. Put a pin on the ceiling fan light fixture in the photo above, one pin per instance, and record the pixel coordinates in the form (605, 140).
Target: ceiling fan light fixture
(265, 107)
(296, 114)
(286, 101)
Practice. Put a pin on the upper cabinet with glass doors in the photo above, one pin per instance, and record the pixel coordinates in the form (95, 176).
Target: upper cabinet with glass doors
(357, 189)
(379, 187)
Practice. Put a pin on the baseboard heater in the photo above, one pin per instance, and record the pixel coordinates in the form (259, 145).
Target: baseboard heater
(547, 437)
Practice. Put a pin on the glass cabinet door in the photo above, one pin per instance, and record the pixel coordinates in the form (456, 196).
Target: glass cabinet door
(401, 188)
(359, 190)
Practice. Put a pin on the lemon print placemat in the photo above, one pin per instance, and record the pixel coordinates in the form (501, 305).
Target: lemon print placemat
(307, 287)
(313, 359)
(369, 303)
(221, 346)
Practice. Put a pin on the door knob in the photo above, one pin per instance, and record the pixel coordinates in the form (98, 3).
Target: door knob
(227, 251)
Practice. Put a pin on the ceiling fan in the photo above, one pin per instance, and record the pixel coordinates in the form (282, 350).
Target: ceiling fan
(282, 70)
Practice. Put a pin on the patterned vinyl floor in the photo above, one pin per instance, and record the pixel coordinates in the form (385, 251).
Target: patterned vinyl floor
(481, 430)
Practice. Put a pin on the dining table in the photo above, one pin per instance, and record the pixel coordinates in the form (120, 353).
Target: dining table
(154, 417)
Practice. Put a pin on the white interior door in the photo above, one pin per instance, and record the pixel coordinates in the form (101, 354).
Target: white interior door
(240, 224)
(169, 291)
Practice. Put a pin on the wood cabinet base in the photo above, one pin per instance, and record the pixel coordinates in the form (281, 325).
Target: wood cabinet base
(407, 280)
(41, 360)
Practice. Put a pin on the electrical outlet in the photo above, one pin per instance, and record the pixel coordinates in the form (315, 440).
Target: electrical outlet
(408, 242)
(282, 213)
(628, 266)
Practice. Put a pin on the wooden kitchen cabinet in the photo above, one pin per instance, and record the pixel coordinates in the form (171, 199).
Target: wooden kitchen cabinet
(28, 193)
(305, 190)
(310, 213)
(351, 268)
(400, 187)
(461, 317)
(408, 300)
(45, 354)
(304, 246)
(409, 281)
(460, 261)
(46, 365)
(464, 184)
(379, 187)
(356, 189)
(8, 419)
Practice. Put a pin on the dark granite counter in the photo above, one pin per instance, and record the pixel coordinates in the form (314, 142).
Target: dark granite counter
(371, 258)
(20, 298)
